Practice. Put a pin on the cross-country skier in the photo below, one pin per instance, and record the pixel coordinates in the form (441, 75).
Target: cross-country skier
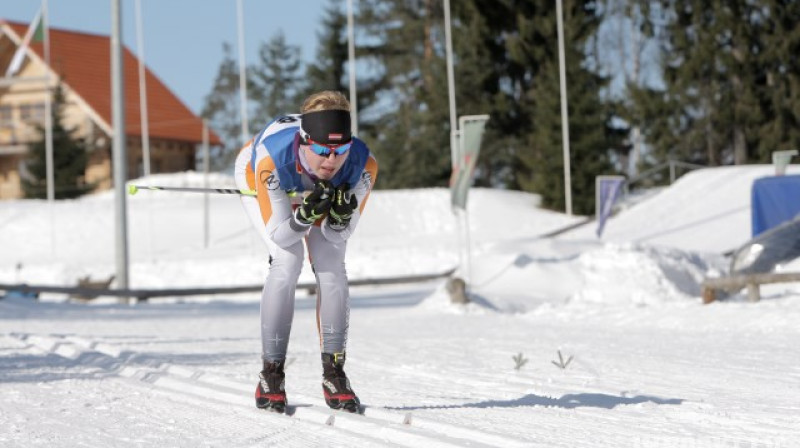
(312, 179)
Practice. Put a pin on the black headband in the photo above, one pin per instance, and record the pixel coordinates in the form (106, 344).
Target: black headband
(330, 127)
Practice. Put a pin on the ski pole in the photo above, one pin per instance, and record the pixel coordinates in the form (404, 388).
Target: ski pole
(133, 189)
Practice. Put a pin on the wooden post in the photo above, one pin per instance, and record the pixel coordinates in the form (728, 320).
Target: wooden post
(709, 295)
(753, 293)
(457, 289)
(752, 282)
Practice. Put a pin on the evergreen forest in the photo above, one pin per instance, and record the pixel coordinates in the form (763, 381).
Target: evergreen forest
(701, 81)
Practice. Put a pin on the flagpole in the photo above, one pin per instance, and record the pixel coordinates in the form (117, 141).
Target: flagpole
(142, 91)
(19, 55)
(119, 150)
(462, 218)
(351, 53)
(206, 170)
(48, 126)
(564, 112)
(144, 122)
(242, 72)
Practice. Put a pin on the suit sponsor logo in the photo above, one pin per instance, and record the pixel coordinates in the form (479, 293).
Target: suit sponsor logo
(366, 179)
(330, 386)
(273, 183)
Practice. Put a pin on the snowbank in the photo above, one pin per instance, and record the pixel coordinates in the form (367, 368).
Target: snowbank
(610, 275)
(706, 210)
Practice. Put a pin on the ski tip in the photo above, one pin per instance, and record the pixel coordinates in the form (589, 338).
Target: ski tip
(132, 189)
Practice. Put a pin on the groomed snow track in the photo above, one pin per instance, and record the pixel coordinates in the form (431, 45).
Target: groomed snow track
(375, 427)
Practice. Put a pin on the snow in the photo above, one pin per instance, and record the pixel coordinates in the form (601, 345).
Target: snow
(706, 210)
(651, 365)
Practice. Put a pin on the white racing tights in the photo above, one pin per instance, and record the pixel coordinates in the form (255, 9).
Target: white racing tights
(333, 298)
(277, 297)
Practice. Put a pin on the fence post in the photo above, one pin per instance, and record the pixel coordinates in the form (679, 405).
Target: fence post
(753, 293)
(671, 172)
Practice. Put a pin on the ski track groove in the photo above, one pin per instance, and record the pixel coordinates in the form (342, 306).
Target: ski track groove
(377, 426)
(90, 436)
(442, 381)
(237, 389)
(739, 424)
(452, 431)
(391, 417)
(114, 360)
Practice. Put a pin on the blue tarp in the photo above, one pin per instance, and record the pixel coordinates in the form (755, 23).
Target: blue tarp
(775, 200)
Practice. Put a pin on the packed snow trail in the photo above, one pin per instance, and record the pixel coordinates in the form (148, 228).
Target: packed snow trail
(651, 365)
(668, 375)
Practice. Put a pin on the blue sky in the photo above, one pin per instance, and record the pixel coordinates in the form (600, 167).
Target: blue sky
(183, 38)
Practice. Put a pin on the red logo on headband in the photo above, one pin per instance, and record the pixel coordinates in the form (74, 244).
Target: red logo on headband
(335, 136)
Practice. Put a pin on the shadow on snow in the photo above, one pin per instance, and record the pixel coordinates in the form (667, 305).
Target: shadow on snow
(18, 309)
(34, 368)
(570, 401)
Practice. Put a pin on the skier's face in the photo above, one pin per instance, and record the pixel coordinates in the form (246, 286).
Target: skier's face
(325, 167)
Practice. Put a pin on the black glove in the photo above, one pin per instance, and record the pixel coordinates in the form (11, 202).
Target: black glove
(344, 204)
(316, 204)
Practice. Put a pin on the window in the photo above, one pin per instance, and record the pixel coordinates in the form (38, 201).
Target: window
(32, 113)
(6, 112)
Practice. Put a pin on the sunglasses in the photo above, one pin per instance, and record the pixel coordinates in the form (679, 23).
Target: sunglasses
(321, 149)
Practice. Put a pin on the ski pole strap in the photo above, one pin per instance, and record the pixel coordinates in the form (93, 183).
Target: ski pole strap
(133, 189)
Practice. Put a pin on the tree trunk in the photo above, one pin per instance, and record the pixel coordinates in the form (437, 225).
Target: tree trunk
(711, 151)
(739, 141)
(739, 146)
(428, 49)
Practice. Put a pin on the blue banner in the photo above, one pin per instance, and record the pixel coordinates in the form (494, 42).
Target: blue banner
(608, 190)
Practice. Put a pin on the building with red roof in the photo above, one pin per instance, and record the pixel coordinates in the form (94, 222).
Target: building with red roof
(81, 63)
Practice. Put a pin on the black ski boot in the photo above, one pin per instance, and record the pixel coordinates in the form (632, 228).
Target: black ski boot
(336, 386)
(270, 392)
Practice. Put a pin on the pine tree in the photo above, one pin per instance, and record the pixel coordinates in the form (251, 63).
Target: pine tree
(781, 100)
(221, 108)
(715, 82)
(330, 69)
(327, 72)
(408, 126)
(276, 79)
(70, 158)
(480, 70)
(591, 137)
(502, 48)
(627, 34)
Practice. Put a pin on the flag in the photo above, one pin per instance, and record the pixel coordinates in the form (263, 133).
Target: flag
(608, 189)
(781, 159)
(467, 150)
(35, 33)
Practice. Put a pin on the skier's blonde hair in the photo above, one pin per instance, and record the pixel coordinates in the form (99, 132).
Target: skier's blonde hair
(325, 100)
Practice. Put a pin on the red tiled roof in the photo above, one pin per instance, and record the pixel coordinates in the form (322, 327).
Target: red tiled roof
(83, 61)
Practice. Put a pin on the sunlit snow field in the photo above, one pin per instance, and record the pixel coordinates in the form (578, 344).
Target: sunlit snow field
(651, 365)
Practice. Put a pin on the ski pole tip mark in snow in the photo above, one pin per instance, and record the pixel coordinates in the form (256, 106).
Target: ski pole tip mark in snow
(561, 364)
(519, 361)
